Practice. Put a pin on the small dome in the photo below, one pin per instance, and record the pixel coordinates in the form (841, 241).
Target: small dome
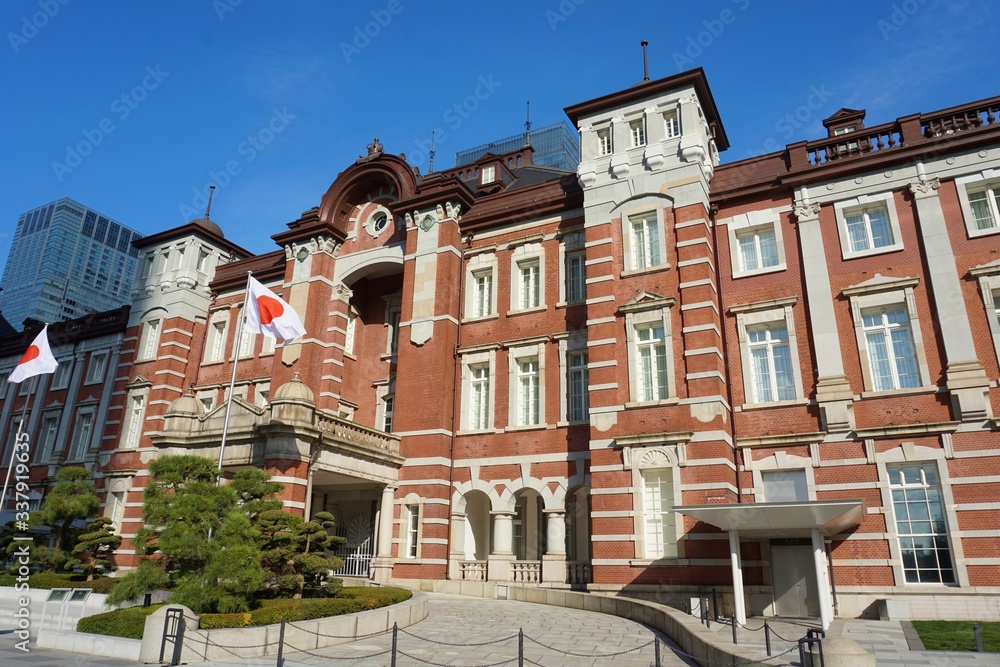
(186, 405)
(293, 390)
(210, 226)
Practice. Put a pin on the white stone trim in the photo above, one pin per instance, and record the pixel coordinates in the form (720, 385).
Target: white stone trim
(984, 179)
(749, 222)
(842, 208)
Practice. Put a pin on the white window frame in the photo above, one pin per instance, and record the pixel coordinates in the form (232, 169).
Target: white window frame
(989, 286)
(781, 461)
(605, 141)
(150, 339)
(572, 258)
(628, 234)
(350, 331)
(523, 256)
(483, 264)
(60, 379)
(393, 318)
(517, 358)
(134, 417)
(752, 223)
(96, 366)
(663, 460)
(672, 124)
(637, 132)
(267, 346)
(470, 363)
(207, 399)
(988, 179)
(77, 442)
(387, 412)
(412, 526)
(116, 508)
(888, 294)
(48, 433)
(848, 207)
(218, 332)
(754, 315)
(244, 349)
(262, 394)
(488, 174)
(897, 537)
(577, 375)
(644, 315)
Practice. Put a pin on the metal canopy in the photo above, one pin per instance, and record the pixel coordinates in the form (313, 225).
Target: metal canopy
(785, 519)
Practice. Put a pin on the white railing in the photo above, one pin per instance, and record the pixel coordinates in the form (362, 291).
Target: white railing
(526, 571)
(349, 432)
(473, 570)
(578, 573)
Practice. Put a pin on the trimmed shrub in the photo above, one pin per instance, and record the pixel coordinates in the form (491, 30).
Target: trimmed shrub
(213, 621)
(127, 623)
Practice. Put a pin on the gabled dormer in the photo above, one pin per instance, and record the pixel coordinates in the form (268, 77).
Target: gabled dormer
(844, 121)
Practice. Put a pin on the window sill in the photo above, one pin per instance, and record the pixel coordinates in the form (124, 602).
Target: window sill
(849, 254)
(479, 431)
(773, 404)
(931, 389)
(527, 427)
(526, 311)
(482, 318)
(571, 304)
(391, 358)
(632, 405)
(213, 362)
(352, 357)
(572, 424)
(976, 233)
(759, 272)
(639, 272)
(659, 562)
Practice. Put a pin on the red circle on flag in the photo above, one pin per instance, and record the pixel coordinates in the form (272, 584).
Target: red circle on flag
(270, 309)
(29, 354)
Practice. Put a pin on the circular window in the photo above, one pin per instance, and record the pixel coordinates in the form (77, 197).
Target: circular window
(379, 221)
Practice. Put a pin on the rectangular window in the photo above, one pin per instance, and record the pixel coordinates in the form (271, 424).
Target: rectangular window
(393, 325)
(262, 393)
(784, 486)
(758, 248)
(133, 424)
(412, 530)
(488, 174)
(216, 341)
(576, 274)
(657, 511)
(527, 393)
(869, 228)
(387, 407)
(771, 371)
(117, 512)
(482, 302)
(920, 524)
(604, 142)
(645, 242)
(3, 381)
(529, 294)
(651, 355)
(150, 339)
(350, 333)
(637, 131)
(673, 124)
(996, 305)
(479, 400)
(891, 354)
(246, 342)
(985, 206)
(577, 381)
(81, 436)
(95, 372)
(50, 429)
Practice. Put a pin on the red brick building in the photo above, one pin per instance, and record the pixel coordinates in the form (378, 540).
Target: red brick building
(776, 377)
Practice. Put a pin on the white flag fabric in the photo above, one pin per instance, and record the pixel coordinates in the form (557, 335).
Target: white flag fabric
(268, 314)
(37, 359)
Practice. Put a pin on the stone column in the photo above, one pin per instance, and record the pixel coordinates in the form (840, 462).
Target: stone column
(833, 391)
(457, 552)
(739, 600)
(822, 580)
(383, 561)
(502, 554)
(964, 374)
(554, 558)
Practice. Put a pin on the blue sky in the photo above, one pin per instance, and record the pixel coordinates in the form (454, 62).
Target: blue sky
(134, 108)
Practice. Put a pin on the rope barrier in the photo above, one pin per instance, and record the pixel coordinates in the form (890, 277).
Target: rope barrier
(589, 655)
(449, 664)
(437, 641)
(317, 633)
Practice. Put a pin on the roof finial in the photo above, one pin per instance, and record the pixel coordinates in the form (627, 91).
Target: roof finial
(430, 154)
(527, 124)
(645, 61)
(208, 207)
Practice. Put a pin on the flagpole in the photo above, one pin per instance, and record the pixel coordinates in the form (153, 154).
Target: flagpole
(232, 379)
(20, 428)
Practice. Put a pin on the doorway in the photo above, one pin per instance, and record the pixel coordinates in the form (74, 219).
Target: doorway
(793, 581)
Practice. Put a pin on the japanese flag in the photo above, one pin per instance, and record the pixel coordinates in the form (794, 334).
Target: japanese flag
(37, 359)
(268, 314)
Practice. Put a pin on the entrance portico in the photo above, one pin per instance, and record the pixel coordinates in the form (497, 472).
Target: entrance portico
(784, 520)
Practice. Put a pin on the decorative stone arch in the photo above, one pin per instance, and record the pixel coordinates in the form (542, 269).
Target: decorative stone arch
(782, 460)
(507, 498)
(381, 261)
(388, 175)
(463, 488)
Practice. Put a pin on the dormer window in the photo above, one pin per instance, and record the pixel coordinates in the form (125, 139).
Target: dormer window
(673, 124)
(604, 141)
(637, 130)
(488, 174)
(845, 130)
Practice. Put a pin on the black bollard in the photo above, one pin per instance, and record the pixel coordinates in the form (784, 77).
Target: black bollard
(281, 642)
(656, 650)
(767, 638)
(979, 637)
(395, 632)
(520, 647)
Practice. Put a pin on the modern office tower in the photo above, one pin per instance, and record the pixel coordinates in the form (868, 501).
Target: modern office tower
(555, 145)
(66, 261)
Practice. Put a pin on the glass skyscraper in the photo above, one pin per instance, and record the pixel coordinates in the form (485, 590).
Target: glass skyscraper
(66, 261)
(556, 145)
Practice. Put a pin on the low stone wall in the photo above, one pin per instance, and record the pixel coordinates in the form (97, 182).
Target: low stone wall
(962, 605)
(235, 643)
(686, 631)
(82, 642)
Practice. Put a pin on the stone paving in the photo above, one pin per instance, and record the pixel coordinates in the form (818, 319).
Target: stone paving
(38, 657)
(887, 640)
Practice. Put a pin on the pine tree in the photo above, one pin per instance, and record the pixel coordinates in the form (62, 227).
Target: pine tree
(94, 546)
(72, 501)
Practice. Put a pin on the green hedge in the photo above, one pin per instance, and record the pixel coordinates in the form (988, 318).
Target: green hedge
(127, 623)
(351, 600)
(45, 580)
